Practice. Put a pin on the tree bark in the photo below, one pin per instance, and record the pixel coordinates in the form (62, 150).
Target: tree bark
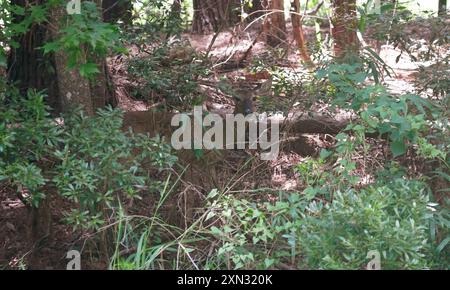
(442, 10)
(114, 10)
(297, 27)
(102, 88)
(214, 15)
(275, 23)
(255, 11)
(345, 24)
(74, 90)
(176, 9)
(27, 66)
(154, 122)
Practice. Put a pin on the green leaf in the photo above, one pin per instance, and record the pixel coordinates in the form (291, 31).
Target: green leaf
(216, 231)
(19, 10)
(374, 71)
(210, 215)
(443, 244)
(214, 192)
(398, 148)
(38, 13)
(379, 59)
(386, 7)
(419, 102)
(198, 153)
(50, 47)
(87, 70)
(269, 262)
(362, 23)
(310, 193)
(324, 154)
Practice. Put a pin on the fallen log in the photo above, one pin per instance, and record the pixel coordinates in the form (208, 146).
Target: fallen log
(155, 122)
(312, 123)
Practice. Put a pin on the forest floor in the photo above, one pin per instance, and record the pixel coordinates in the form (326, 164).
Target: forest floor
(18, 251)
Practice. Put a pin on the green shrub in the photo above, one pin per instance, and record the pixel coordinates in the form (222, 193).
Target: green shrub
(169, 71)
(392, 218)
(88, 160)
(255, 235)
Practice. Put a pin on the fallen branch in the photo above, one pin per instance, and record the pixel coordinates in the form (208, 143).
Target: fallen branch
(300, 123)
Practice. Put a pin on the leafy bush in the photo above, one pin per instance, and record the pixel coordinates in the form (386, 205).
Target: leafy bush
(255, 235)
(156, 19)
(166, 67)
(88, 160)
(337, 219)
(84, 38)
(28, 136)
(169, 71)
(404, 119)
(392, 218)
(99, 164)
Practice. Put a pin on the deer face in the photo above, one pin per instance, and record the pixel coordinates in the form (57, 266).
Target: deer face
(244, 103)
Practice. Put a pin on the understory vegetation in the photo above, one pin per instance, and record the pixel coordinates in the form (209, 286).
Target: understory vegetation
(125, 199)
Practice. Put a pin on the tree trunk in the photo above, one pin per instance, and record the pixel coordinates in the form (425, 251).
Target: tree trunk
(214, 15)
(345, 24)
(114, 10)
(27, 66)
(275, 23)
(74, 90)
(442, 7)
(176, 9)
(31, 69)
(255, 10)
(297, 27)
(102, 88)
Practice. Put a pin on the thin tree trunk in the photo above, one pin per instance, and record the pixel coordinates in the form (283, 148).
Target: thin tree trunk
(297, 27)
(102, 90)
(114, 10)
(213, 15)
(345, 23)
(176, 8)
(442, 7)
(255, 11)
(275, 23)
